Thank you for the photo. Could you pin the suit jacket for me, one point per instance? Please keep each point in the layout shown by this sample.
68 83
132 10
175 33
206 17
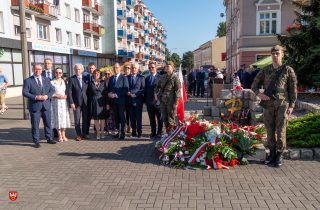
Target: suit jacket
247 80
190 79
254 73
240 75
200 78
76 95
43 74
121 88
31 90
149 90
137 88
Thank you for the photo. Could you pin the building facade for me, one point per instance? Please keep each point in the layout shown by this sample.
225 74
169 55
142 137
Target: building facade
250 27
210 53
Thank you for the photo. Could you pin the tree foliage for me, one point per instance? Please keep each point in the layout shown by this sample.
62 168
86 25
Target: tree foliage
187 60
167 55
305 38
175 58
221 31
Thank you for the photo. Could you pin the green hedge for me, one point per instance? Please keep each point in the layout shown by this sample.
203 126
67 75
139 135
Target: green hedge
304 131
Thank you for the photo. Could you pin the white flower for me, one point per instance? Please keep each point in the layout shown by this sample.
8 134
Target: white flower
166 158
186 152
157 144
182 159
198 160
213 133
206 123
180 153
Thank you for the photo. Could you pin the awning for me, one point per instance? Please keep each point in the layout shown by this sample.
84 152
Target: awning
262 63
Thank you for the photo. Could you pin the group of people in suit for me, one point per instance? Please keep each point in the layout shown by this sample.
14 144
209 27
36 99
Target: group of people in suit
196 82
246 75
106 101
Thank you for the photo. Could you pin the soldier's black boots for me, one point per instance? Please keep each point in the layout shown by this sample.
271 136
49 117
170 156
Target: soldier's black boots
279 160
271 158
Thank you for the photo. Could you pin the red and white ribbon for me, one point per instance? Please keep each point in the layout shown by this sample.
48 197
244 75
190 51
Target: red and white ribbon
243 115
198 152
175 158
247 114
169 139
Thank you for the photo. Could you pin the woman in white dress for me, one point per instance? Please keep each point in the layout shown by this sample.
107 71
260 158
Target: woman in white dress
60 113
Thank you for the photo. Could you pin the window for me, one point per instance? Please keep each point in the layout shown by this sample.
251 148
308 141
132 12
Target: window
260 57
59 10
1 23
268 23
96 44
77 15
87 42
86 18
43 32
68 11
78 40
17 29
58 35
69 38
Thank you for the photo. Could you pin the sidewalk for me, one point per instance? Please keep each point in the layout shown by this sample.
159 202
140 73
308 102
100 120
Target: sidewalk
126 174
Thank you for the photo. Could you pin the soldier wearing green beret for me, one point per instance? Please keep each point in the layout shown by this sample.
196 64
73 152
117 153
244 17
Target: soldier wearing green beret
276 115
170 85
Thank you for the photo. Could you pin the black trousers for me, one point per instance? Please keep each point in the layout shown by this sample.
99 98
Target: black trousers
153 112
119 116
200 86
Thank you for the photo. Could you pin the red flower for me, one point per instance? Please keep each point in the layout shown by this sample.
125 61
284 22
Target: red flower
169 128
233 163
226 163
220 161
204 125
234 140
195 129
205 131
188 137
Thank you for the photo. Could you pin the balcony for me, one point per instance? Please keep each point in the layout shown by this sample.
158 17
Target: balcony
138 10
156 28
146 31
130 38
121 14
138 26
137 41
93 28
147 57
122 52
122 34
157 38
152 35
152 47
38 8
93 6
147 44
157 59
164 44
152 58
140 55
130 4
130 21
151 23
99 30
146 19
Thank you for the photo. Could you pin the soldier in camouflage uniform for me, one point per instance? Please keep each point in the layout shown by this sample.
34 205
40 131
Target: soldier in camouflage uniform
276 115
171 94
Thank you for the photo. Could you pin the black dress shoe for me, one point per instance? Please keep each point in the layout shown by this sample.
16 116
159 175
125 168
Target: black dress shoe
271 158
139 135
134 135
279 160
116 136
122 136
51 142
37 145
152 135
159 135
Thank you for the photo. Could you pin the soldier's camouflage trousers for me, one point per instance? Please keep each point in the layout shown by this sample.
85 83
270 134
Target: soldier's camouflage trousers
168 114
275 120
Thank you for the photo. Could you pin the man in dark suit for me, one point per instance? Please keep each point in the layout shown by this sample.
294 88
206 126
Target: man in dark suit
91 68
211 74
118 88
49 73
135 100
240 72
247 79
78 100
151 82
200 82
255 71
39 91
194 83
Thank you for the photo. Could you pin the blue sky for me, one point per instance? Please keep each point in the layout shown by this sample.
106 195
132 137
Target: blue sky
189 23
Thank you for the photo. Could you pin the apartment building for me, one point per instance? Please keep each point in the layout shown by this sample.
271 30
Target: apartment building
250 24
133 33
67 32
210 53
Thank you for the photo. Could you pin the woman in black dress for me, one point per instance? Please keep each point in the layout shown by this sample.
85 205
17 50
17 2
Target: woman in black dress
110 126
98 99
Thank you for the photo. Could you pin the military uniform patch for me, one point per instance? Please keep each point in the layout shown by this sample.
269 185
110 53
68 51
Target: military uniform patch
292 70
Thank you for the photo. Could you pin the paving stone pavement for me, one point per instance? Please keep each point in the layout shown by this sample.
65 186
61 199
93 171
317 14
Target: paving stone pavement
113 174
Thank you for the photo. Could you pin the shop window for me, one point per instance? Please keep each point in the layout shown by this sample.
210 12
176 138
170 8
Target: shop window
78 40
1 23
11 65
16 55
77 15
58 36
43 32
68 11
87 42
17 72
69 38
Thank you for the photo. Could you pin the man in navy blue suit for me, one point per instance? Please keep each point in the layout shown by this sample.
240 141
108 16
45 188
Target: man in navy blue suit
247 79
255 71
49 73
135 99
194 83
153 110
240 72
200 82
78 100
39 91
118 88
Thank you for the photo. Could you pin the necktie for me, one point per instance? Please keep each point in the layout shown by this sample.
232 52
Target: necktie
80 82
132 80
114 80
39 83
91 79
49 75
151 79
